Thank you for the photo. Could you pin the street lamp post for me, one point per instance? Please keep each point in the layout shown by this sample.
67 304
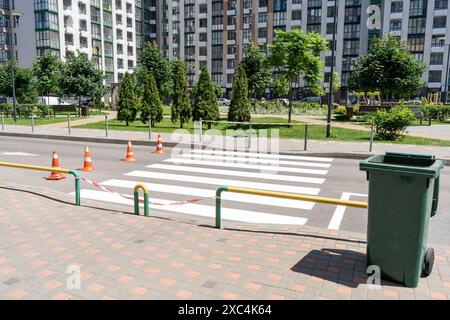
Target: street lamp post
12 15
330 89
446 72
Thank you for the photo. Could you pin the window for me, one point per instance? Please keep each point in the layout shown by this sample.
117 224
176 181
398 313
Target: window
68 38
96 31
47 39
263 3
231 35
217 37
46 5
129 8
314 15
262 17
119 34
395 25
436 58
120 63
217 66
353 14
416 25
231 50
439 22
397 7
438 40
416 43
81 8
203 8
129 23
351 47
231 64
262 33
203 51
95 15
203 37
279 18
83 42
440 4
330 28
118 4
46 20
296 14
119 48
434 76
418 8
83 25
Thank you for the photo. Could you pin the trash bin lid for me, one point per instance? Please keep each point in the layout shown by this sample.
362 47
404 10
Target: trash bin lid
424 165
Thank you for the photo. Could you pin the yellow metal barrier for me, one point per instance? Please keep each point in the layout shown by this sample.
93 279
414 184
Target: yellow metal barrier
39 168
291 196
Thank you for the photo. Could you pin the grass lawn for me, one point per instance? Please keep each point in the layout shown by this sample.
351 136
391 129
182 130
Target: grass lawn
38 121
315 132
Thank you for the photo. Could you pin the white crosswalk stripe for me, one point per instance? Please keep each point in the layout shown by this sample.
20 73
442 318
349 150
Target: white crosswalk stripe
175 180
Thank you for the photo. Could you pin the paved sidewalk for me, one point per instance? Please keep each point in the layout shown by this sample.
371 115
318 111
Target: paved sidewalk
43 241
358 150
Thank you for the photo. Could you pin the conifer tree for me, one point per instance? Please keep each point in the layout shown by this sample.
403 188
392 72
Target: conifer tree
150 103
127 108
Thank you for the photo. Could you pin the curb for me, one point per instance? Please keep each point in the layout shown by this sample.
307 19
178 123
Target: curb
337 155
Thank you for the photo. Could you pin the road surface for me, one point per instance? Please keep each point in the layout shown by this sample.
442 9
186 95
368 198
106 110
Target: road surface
180 175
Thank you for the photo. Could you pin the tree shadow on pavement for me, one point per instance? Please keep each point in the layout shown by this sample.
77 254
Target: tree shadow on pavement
343 267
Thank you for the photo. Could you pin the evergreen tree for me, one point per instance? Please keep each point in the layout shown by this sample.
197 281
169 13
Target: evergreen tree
127 109
240 105
205 100
154 62
181 105
150 103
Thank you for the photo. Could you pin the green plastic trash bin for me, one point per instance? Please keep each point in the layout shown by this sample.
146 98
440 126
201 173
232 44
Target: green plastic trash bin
403 195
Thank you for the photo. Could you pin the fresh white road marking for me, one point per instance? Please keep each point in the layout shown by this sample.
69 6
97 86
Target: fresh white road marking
247 174
18 154
255 160
263 155
205 193
263 168
228 182
201 210
338 214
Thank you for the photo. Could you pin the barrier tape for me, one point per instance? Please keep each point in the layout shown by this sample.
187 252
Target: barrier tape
176 203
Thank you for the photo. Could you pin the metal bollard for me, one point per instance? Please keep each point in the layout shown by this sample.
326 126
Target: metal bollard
249 136
306 138
201 131
68 123
32 123
150 127
372 125
106 126
3 121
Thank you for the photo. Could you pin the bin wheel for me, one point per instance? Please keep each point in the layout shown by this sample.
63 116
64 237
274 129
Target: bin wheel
428 262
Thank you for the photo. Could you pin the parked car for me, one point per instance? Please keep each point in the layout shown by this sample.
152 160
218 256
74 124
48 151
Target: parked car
282 101
414 101
223 102
312 99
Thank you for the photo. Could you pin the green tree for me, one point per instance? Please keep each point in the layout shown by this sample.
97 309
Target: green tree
181 104
23 81
159 66
150 102
81 78
47 72
280 87
127 108
205 100
258 71
296 54
240 105
336 82
390 68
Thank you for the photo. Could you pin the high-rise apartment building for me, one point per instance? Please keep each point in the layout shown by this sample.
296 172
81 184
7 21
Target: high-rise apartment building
216 32
109 31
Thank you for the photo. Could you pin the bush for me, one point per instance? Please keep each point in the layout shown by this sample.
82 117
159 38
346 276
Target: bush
25 110
340 114
44 111
390 125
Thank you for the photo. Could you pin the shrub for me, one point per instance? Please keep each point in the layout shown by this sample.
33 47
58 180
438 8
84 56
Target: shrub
44 111
340 114
390 125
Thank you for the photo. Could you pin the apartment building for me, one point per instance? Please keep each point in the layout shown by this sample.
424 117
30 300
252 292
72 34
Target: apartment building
216 32
109 31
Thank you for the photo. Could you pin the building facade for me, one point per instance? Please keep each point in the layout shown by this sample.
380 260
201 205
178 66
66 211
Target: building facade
216 33
109 31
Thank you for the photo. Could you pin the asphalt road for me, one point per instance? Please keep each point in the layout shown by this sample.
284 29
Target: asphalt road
196 177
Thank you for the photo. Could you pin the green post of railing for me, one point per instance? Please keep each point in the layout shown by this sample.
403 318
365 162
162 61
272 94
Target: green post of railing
219 205
146 200
77 187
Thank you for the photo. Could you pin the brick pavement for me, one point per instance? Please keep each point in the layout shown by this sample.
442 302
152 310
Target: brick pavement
122 256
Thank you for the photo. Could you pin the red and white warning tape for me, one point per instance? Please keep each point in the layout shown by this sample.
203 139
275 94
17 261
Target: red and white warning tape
176 203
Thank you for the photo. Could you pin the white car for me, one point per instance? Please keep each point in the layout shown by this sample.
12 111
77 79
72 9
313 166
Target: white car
282 101
223 102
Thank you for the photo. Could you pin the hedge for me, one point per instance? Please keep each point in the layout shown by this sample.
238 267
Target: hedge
26 110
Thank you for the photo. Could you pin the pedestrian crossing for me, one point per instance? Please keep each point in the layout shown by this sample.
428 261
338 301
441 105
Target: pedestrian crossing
198 173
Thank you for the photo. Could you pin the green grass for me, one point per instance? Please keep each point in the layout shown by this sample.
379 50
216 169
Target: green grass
315 132
38 121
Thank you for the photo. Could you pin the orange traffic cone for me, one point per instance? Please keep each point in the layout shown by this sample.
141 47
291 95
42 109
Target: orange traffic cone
130 153
87 161
159 146
55 164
